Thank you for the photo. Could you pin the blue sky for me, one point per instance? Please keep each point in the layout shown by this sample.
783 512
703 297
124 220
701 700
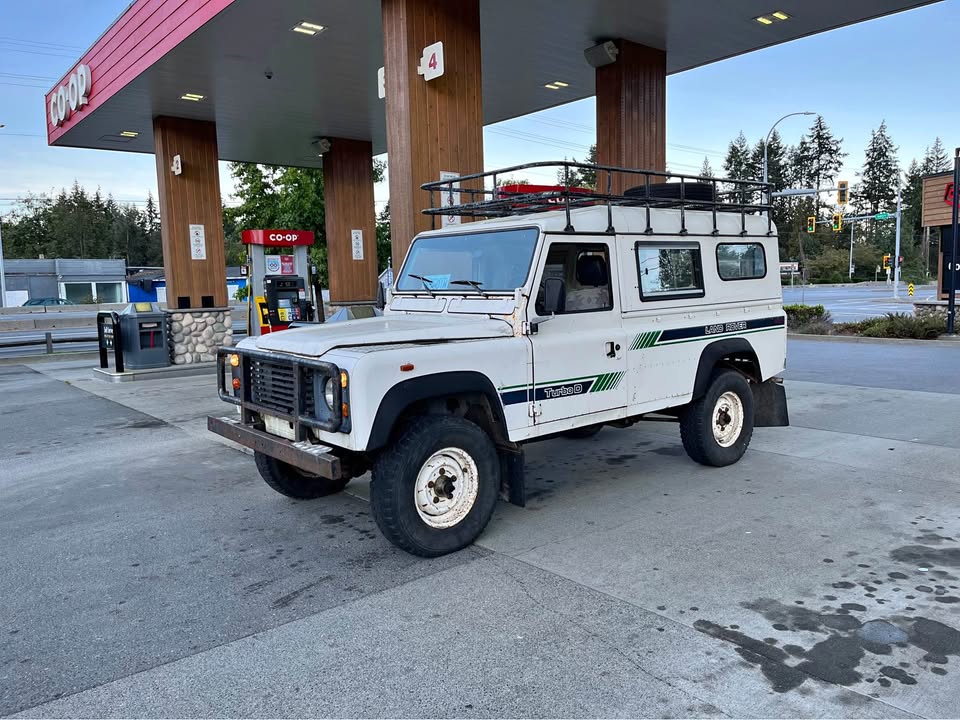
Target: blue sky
901 69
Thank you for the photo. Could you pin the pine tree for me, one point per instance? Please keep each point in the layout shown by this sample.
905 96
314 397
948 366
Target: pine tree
737 166
935 159
879 178
705 169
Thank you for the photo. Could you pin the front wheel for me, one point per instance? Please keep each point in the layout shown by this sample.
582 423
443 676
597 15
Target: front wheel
716 428
434 489
288 480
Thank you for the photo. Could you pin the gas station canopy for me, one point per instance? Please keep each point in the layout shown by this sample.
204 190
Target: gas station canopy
274 89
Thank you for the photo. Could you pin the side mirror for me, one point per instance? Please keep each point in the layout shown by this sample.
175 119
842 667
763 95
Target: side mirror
554 295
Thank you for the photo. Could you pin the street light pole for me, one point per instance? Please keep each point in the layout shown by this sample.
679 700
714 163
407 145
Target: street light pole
767 139
896 254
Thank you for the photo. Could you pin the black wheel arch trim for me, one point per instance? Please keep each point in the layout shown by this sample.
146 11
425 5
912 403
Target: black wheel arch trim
425 387
712 354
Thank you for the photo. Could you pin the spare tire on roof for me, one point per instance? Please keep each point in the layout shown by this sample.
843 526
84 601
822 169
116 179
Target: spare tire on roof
692 191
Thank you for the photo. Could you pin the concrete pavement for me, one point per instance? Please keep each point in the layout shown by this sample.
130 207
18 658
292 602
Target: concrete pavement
148 571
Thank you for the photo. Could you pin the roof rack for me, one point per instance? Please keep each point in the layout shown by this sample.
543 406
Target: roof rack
487 197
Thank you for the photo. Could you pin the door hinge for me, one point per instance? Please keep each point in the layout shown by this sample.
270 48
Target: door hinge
534 410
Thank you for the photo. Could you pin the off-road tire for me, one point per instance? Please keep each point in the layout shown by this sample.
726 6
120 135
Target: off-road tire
292 482
395 471
696 421
583 433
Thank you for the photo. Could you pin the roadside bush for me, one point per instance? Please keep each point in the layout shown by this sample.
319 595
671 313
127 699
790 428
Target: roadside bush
799 315
817 326
897 325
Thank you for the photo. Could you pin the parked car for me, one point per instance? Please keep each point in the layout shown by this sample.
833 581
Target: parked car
568 313
47 301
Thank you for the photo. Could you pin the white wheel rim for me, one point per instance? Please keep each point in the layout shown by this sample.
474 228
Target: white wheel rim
727 419
446 488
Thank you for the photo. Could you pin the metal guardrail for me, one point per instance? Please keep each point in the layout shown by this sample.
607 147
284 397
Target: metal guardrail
49 340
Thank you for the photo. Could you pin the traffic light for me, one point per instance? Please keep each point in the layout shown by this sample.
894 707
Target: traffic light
886 262
837 222
811 224
843 192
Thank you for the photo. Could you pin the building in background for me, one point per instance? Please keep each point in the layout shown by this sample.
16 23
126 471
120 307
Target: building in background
149 284
79 281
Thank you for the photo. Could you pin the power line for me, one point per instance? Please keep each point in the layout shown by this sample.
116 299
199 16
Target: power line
41 43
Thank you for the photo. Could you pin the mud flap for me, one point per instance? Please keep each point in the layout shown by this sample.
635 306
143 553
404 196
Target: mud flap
512 482
770 404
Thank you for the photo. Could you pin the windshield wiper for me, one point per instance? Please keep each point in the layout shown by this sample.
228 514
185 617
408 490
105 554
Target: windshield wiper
475 284
425 281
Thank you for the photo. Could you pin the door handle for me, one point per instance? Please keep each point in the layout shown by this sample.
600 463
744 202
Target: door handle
612 349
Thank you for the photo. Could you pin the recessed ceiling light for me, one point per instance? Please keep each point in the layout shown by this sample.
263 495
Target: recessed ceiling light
560 83
193 97
129 134
764 20
308 28
780 15
552 86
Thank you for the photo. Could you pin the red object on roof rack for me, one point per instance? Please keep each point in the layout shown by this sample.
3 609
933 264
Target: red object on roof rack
552 194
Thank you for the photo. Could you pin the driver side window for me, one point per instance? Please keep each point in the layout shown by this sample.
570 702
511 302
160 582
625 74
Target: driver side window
585 271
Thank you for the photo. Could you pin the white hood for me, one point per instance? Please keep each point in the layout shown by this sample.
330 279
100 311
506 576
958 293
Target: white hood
319 339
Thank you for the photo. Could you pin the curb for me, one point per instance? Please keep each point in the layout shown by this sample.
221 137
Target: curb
870 340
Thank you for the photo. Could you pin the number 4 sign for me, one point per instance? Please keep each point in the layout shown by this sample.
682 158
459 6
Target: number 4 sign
431 62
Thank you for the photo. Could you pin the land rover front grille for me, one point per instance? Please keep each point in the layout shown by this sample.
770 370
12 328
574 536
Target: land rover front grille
272 386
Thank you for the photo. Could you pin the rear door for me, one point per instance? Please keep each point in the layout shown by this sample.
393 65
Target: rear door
579 358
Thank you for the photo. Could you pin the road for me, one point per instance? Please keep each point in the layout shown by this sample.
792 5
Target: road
857 302
147 571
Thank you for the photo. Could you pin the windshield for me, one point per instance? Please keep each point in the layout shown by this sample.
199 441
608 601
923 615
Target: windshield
492 261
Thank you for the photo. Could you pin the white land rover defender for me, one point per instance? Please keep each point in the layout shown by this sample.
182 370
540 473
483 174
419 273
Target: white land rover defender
566 310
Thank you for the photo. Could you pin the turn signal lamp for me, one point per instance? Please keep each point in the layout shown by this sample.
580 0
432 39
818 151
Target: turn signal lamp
235 361
343 378
236 383
345 409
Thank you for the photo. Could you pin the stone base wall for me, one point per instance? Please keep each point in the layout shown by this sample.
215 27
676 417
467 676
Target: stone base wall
931 308
195 335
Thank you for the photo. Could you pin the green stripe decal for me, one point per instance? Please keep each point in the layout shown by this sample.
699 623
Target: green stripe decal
645 339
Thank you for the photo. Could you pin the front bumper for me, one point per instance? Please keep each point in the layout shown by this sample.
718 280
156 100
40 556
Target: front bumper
315 459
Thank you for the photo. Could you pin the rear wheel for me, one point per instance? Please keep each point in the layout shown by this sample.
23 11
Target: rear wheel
434 489
292 482
716 428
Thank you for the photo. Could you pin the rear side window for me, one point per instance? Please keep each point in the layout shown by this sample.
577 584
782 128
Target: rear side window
669 270
741 261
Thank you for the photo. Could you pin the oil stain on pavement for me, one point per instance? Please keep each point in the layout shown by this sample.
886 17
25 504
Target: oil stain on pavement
858 644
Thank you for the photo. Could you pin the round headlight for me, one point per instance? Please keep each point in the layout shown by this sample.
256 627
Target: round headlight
328 393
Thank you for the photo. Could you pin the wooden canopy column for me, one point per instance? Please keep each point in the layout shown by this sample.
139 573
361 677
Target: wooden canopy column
348 202
632 111
434 126
196 277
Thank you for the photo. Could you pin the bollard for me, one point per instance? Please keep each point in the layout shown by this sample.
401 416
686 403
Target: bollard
49 338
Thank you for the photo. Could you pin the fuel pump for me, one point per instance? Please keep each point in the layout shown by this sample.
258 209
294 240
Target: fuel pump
279 290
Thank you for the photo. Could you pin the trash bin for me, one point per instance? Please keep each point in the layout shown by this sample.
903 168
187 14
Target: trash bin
143 332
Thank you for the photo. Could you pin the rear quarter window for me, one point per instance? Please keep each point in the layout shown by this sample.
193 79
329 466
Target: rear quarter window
741 261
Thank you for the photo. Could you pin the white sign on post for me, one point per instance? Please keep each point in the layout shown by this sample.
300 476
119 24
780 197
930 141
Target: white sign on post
449 197
381 83
356 240
431 62
198 242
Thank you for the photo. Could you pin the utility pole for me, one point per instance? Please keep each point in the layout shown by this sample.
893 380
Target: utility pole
896 252
851 250
3 277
